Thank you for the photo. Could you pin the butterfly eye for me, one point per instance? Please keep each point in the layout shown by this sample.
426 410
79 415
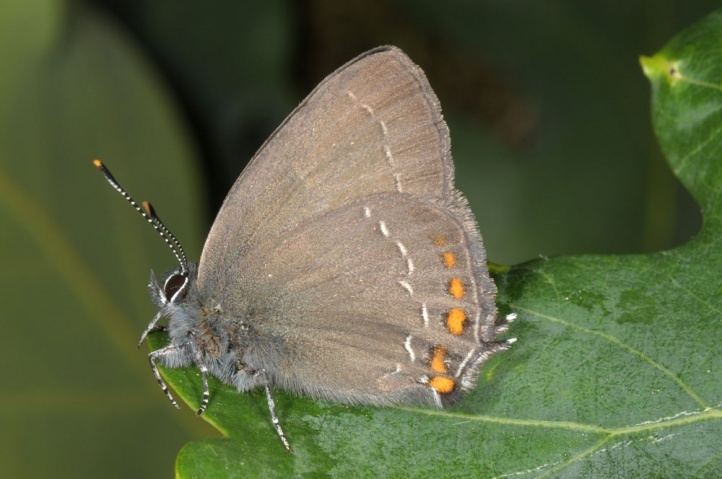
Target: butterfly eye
175 287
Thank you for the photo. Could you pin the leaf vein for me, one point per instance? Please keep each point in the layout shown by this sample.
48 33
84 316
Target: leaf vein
682 164
614 340
578 457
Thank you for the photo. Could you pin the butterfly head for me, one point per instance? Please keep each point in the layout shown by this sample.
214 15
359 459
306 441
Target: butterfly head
173 287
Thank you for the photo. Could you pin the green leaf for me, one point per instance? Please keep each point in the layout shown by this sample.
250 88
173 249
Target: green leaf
77 398
616 372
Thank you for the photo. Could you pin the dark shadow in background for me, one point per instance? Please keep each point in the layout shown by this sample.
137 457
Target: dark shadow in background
548 109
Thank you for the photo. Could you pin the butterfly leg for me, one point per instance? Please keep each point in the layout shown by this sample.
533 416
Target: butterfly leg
260 376
274 418
169 355
248 378
150 328
206 393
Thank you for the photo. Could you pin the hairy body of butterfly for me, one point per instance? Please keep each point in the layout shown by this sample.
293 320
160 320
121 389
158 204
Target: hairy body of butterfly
343 263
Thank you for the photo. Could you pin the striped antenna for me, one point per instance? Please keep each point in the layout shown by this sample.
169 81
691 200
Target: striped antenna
147 212
150 211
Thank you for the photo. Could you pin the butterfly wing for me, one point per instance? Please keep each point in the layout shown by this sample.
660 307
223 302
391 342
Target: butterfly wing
372 126
378 301
358 267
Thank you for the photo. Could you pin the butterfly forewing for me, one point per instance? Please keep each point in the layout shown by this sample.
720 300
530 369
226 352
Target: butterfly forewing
372 126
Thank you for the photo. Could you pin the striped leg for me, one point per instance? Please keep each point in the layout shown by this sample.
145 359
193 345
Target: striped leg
164 355
206 394
204 377
150 328
274 418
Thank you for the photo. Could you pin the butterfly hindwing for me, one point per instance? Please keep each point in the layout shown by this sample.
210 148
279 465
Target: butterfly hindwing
370 302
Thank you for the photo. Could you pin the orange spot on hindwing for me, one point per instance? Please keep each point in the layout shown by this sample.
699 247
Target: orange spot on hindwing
439 240
442 384
455 321
449 259
456 288
438 364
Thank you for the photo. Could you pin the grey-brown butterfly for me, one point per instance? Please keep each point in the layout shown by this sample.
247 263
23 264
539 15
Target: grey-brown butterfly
343 264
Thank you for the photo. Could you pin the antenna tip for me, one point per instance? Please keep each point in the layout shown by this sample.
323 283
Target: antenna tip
97 163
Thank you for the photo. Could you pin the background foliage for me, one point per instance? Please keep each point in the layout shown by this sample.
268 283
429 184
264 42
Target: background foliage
549 117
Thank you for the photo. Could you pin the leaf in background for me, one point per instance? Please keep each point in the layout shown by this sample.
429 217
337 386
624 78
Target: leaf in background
77 399
616 372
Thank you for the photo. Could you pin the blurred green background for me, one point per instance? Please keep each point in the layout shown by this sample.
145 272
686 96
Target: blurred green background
549 117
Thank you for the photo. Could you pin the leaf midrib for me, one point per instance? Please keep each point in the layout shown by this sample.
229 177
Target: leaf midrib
682 418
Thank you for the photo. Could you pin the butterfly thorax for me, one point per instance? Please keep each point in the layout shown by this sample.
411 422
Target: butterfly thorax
209 337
